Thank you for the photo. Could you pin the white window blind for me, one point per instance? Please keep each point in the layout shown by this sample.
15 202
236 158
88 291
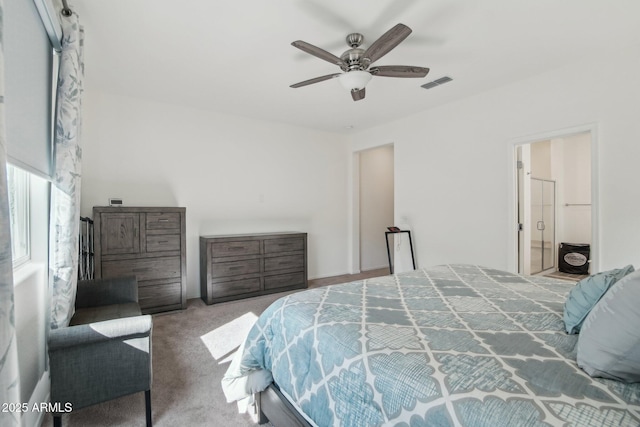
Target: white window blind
28 58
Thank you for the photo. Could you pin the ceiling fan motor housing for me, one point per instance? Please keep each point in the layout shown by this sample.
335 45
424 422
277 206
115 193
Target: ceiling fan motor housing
352 56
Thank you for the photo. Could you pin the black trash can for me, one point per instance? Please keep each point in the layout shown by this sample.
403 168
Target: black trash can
573 258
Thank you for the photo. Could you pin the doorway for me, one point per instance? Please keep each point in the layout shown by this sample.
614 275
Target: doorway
375 182
555 192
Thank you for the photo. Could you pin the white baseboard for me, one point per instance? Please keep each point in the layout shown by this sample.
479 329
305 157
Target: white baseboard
40 394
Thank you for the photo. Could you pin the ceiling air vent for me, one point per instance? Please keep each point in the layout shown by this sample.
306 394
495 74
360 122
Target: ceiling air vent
437 82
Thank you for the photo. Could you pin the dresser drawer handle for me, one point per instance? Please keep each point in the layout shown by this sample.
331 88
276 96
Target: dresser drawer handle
163 241
237 267
236 248
163 220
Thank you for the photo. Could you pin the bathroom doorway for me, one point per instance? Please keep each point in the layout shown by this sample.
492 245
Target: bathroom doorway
554 199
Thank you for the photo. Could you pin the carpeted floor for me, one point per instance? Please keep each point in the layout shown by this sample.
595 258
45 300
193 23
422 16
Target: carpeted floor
191 352
186 371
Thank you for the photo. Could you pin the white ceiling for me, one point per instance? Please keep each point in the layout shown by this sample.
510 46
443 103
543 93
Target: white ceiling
236 57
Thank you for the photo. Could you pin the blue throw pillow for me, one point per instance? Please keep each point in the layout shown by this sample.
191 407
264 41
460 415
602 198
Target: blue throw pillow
609 343
586 294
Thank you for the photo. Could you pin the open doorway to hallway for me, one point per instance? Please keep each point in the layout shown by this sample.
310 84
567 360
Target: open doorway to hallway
554 200
376 205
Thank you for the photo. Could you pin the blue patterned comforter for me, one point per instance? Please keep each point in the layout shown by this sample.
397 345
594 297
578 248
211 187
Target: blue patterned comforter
455 345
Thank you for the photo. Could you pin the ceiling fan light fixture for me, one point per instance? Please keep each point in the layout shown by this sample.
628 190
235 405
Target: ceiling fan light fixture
354 80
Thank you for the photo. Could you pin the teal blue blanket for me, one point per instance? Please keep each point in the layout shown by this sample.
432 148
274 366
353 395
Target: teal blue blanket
456 345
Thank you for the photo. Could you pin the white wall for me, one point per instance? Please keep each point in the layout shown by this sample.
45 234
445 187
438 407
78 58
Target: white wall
376 205
30 306
575 189
456 184
453 176
31 295
233 175
541 160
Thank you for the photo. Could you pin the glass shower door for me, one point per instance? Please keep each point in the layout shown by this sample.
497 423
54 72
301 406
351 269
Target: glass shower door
543 209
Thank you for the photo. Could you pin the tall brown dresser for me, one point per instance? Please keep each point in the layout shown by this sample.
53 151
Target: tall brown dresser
146 242
247 265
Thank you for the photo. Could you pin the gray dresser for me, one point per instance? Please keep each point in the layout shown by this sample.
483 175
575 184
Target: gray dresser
246 265
146 242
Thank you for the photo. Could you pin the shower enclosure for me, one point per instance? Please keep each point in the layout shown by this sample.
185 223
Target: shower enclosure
543 229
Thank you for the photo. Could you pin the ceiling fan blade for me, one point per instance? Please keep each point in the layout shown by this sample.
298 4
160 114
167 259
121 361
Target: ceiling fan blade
320 53
357 95
386 43
315 80
399 71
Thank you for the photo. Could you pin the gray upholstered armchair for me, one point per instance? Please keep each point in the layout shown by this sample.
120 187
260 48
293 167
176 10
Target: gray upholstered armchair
105 352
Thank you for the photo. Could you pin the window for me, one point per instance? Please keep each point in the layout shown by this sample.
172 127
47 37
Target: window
18 183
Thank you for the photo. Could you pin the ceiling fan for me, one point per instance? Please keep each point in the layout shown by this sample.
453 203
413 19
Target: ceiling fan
356 62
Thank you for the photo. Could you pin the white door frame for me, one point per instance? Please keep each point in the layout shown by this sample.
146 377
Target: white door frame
354 202
524 243
512 211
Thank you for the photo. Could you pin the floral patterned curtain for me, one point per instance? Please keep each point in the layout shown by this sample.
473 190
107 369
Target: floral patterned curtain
65 193
9 375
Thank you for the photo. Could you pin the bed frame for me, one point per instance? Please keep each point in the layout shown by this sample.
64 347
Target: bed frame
275 408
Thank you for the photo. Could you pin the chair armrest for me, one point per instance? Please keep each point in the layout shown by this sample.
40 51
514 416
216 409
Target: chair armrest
99 361
92 293
122 329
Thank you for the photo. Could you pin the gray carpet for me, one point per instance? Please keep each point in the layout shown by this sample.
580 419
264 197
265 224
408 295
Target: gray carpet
191 351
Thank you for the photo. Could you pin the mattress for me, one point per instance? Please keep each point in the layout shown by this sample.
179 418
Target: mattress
453 345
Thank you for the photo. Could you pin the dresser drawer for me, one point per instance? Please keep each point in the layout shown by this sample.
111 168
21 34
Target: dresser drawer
222 249
285 262
288 244
284 281
163 242
143 269
158 295
235 268
235 287
163 220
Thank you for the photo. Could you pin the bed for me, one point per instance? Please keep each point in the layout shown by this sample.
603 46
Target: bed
453 345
